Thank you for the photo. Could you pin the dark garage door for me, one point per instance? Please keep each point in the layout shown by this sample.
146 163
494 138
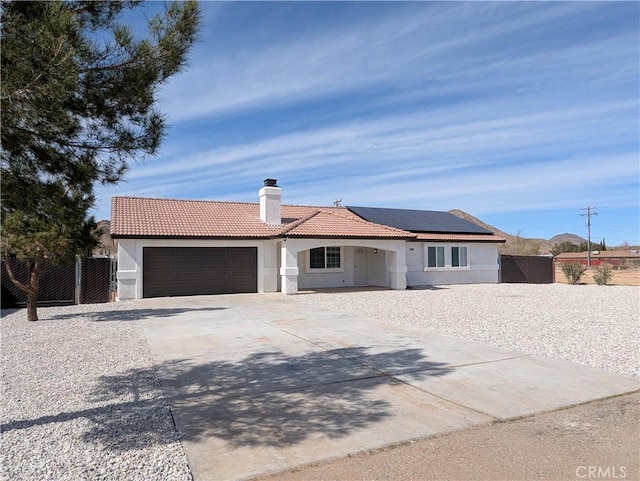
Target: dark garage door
191 271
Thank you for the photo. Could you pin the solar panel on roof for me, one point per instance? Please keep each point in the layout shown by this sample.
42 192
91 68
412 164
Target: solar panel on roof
418 220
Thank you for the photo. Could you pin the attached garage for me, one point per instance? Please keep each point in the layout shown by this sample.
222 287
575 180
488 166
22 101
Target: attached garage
190 271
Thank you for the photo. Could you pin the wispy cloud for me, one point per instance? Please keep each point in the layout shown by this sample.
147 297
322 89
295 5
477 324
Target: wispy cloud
487 106
424 44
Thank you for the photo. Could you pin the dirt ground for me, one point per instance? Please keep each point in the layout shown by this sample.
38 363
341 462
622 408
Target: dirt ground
598 440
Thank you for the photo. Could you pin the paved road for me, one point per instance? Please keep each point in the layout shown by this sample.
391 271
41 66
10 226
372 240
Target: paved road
260 384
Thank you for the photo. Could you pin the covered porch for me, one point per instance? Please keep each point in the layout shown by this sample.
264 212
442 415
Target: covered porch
333 263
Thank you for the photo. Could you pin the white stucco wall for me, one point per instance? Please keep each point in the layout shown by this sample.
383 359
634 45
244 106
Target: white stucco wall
130 260
482 265
387 268
312 279
394 262
373 266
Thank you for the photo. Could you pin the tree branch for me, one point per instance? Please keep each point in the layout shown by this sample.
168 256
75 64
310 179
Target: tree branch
107 68
23 287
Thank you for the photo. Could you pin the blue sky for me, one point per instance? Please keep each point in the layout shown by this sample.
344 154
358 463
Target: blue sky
519 113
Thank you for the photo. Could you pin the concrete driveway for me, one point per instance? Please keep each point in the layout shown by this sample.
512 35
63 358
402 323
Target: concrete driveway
259 384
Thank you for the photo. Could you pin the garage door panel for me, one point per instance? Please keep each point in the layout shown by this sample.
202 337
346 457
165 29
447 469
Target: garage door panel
183 271
188 263
216 276
216 264
246 263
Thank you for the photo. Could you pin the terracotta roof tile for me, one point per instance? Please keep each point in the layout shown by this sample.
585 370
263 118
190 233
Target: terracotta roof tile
332 224
147 217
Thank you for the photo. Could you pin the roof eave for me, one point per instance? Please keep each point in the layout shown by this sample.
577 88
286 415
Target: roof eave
334 236
471 241
187 237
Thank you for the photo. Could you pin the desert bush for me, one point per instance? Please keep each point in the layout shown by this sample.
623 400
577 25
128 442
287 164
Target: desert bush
602 275
573 272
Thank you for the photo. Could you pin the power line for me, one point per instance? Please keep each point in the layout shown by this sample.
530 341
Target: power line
590 211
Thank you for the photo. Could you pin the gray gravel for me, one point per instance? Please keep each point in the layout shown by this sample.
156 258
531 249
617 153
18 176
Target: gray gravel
80 399
597 326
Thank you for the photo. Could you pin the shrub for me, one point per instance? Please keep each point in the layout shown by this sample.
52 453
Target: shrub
573 272
602 275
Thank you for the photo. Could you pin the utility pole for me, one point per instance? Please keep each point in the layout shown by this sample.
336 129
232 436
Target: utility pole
590 211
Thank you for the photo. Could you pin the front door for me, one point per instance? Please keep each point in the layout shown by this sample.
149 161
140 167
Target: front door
361 267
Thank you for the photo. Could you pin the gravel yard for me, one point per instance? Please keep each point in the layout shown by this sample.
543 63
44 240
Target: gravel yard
80 398
597 326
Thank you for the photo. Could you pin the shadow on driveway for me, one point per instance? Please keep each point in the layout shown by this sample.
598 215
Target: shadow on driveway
132 314
273 399
267 399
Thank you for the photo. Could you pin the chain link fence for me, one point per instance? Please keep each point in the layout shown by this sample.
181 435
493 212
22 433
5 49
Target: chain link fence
89 281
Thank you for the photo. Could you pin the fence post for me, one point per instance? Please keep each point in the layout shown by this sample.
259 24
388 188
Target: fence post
78 279
113 278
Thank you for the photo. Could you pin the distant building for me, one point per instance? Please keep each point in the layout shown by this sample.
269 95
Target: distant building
621 259
625 265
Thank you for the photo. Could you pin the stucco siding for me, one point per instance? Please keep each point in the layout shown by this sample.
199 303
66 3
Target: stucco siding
381 263
482 260
314 279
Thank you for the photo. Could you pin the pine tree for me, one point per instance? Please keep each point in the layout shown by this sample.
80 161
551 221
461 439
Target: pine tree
77 98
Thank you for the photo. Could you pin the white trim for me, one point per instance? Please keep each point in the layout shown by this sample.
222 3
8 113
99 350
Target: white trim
133 278
447 258
309 270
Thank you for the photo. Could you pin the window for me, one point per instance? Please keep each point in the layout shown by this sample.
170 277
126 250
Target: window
325 258
435 256
447 257
458 257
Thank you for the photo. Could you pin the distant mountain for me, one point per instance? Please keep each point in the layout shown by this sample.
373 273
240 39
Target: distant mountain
474 220
567 237
106 247
517 245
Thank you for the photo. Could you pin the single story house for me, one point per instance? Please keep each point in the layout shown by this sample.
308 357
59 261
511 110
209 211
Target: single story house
170 247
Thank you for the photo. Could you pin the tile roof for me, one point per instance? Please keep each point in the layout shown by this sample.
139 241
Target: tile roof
141 217
323 223
146 217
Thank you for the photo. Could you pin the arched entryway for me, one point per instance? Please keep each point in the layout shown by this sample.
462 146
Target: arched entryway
329 263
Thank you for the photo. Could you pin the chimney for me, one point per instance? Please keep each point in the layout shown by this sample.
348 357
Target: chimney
270 195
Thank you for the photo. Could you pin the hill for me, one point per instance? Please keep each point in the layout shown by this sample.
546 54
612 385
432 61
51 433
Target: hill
474 220
566 237
106 247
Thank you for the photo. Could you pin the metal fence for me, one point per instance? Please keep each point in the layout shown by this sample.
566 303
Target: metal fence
88 281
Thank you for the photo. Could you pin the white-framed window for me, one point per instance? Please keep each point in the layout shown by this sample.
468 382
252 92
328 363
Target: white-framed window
435 256
323 259
458 256
446 257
